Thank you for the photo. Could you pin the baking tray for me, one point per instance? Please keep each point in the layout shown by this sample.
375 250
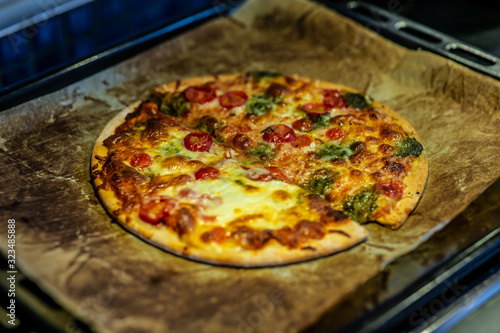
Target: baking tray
390 309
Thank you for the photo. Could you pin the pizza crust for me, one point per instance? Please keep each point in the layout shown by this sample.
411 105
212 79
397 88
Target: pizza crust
273 253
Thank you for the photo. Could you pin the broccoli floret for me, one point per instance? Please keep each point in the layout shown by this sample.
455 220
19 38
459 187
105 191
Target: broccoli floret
263 151
320 181
260 105
360 206
330 151
356 101
321 120
408 146
174 105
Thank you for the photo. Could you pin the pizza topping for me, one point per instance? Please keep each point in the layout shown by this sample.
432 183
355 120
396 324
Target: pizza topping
303 124
394 168
141 160
391 188
259 105
362 156
175 105
208 124
390 134
233 99
333 99
277 173
315 109
124 180
331 151
155 131
346 119
154 210
360 206
357 101
386 149
172 163
247 237
409 147
358 146
227 132
182 220
320 181
277 90
335 133
199 94
301 141
318 204
261 175
207 173
278 134
320 119
121 140
263 150
242 142
198 141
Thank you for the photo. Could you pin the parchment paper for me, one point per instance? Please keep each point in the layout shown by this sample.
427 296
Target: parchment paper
67 243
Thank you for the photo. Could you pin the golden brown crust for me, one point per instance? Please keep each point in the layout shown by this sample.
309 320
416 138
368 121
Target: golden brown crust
341 237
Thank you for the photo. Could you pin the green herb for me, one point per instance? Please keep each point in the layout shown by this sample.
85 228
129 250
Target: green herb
265 75
259 105
320 181
330 151
174 105
321 120
263 150
357 101
360 206
170 149
408 146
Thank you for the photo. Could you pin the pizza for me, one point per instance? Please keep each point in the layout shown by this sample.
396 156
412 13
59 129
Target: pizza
257 169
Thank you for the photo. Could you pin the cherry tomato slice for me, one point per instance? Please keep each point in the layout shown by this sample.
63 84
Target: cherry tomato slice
154 210
301 141
198 141
207 173
335 133
333 99
391 188
315 109
141 160
233 99
199 94
278 134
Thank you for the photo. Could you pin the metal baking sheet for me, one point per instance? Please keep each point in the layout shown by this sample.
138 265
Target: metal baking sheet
115 282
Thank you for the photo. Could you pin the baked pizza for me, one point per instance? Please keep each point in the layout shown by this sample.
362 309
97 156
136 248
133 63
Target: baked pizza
257 169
